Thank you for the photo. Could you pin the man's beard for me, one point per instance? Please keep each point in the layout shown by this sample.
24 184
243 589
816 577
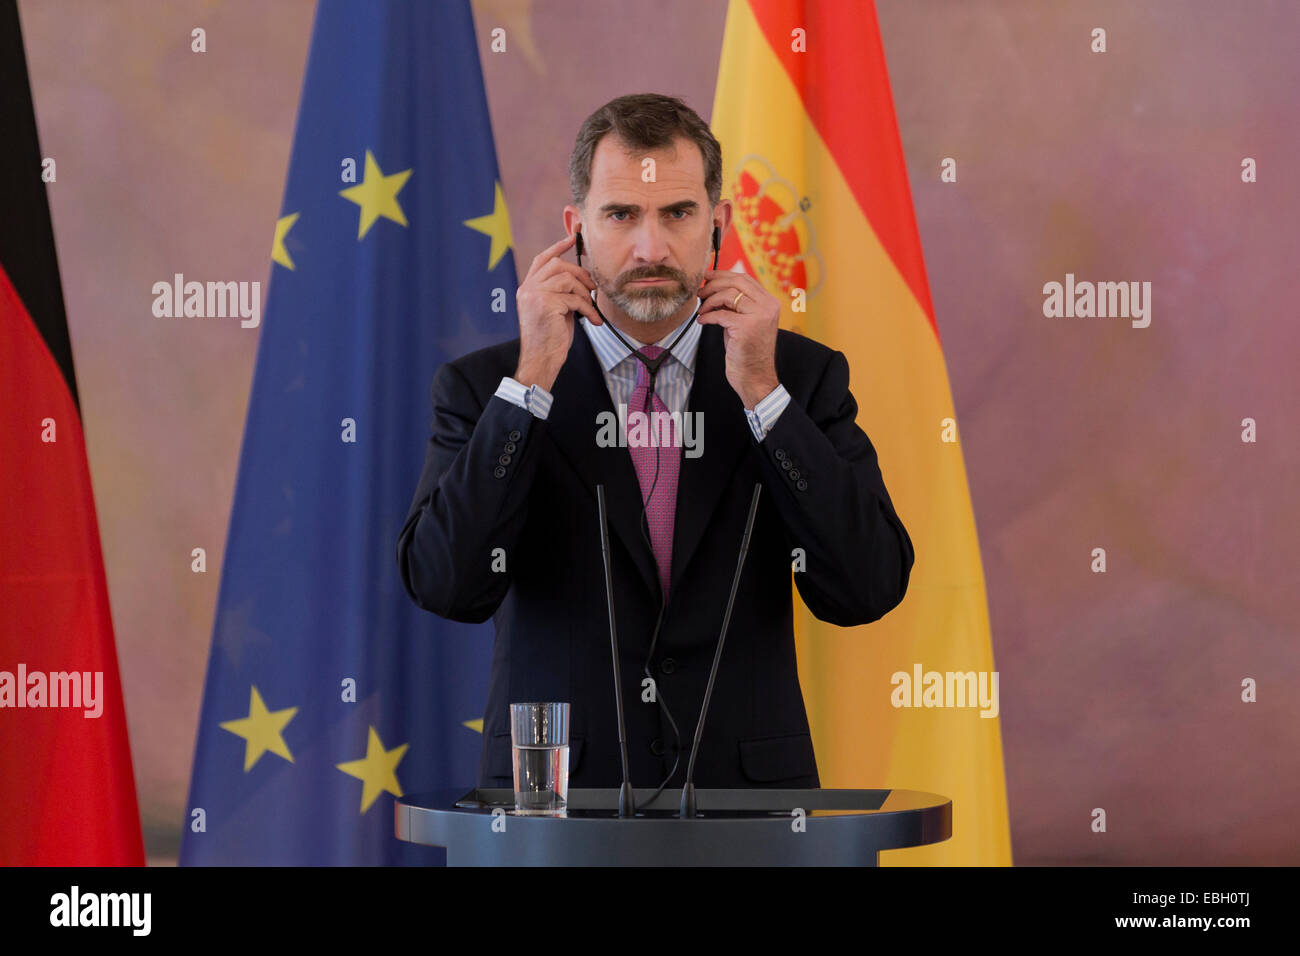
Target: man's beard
650 303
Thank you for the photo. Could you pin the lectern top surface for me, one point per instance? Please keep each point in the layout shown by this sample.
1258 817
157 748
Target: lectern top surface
726 804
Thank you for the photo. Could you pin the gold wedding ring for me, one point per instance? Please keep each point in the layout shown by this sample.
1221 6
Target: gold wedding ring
739 295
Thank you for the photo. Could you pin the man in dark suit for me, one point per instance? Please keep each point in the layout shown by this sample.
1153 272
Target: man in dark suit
504 520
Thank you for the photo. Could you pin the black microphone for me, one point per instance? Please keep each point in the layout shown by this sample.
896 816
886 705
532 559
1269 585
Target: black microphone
626 802
688 788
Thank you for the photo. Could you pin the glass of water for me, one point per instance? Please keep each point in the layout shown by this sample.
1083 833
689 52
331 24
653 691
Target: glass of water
539 736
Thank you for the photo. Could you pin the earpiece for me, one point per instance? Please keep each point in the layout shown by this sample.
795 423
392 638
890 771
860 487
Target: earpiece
717 238
578 233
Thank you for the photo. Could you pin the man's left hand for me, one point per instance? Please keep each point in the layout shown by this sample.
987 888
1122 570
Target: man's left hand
749 325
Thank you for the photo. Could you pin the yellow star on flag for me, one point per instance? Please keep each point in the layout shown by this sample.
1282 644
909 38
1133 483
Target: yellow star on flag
376 771
497 225
475 724
278 252
261 730
376 194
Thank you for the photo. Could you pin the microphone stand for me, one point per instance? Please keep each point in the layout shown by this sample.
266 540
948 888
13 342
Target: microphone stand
626 802
688 788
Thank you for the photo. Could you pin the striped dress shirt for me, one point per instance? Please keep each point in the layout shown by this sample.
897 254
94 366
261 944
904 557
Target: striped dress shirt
672 383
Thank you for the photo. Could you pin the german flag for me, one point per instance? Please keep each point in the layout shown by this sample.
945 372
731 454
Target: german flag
67 794
814 167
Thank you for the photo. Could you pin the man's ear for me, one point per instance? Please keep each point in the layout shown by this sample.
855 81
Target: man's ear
722 222
573 221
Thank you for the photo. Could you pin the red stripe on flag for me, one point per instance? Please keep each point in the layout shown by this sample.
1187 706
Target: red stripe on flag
67 792
843 81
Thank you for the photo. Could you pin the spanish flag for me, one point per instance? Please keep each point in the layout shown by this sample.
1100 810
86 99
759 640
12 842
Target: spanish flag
823 217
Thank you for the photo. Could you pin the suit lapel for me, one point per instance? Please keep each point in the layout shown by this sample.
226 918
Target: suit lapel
726 436
580 395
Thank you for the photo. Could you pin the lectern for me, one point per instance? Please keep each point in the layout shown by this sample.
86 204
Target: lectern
733 828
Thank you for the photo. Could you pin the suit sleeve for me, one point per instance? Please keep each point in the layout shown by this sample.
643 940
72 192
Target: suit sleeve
471 499
821 470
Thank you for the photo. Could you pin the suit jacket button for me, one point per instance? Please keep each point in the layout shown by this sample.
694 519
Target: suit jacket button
504 460
657 747
794 474
785 463
780 454
801 485
668 665
514 435
510 448
499 472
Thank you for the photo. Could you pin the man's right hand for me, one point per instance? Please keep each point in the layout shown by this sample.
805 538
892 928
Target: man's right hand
551 292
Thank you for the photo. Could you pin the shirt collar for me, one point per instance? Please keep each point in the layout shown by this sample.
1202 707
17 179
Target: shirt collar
610 351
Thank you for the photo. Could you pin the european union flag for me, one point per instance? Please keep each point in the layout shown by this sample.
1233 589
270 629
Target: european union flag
328 693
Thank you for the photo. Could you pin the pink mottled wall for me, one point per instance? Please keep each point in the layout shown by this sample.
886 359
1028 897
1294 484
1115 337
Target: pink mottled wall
1118 690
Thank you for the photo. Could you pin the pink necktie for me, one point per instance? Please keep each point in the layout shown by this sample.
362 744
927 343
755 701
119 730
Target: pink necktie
661 507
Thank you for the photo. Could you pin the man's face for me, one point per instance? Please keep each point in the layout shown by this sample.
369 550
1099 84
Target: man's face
636 230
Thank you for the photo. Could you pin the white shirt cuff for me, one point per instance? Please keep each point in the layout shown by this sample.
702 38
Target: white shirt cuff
534 399
766 412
